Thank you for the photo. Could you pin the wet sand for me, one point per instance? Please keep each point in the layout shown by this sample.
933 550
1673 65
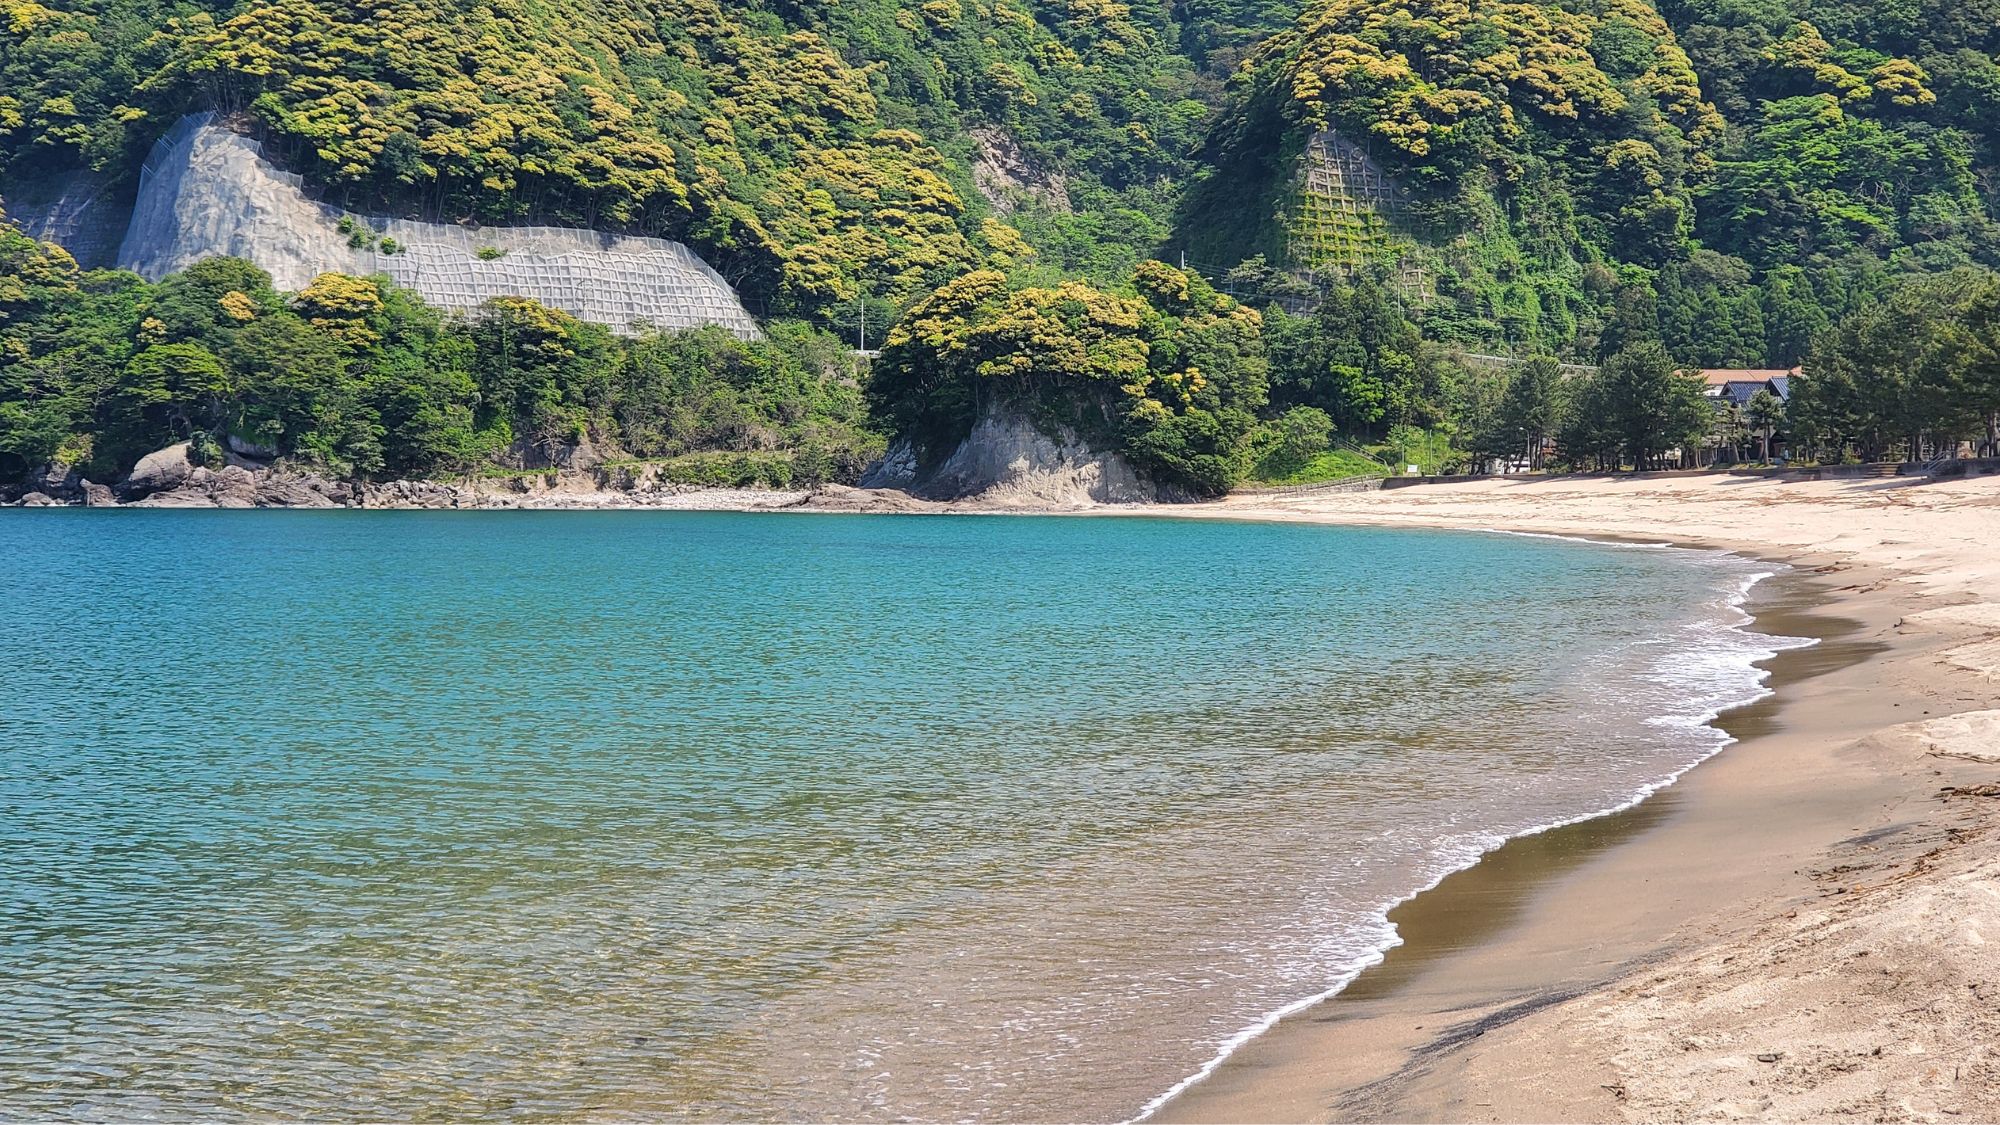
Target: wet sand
1795 931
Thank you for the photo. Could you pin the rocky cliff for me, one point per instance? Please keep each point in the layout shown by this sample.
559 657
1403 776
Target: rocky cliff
207 191
1007 461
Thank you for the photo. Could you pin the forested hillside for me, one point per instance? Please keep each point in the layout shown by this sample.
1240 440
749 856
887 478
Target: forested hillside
812 151
1693 182
1724 175
816 151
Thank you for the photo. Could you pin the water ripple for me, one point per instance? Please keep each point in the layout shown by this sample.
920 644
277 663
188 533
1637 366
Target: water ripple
409 815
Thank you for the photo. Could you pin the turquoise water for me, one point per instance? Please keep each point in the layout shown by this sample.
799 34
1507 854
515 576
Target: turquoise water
397 814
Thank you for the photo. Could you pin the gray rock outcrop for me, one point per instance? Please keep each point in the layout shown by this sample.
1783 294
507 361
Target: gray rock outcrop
1006 177
58 482
206 191
159 471
237 487
250 450
1007 462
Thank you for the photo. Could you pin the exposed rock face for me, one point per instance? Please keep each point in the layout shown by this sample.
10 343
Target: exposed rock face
1005 175
525 454
250 450
160 470
896 469
206 191
58 482
237 487
1006 461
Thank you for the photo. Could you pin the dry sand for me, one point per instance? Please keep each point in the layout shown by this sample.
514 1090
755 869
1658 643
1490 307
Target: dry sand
1807 927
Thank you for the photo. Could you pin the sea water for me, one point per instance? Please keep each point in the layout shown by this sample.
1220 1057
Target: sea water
395 814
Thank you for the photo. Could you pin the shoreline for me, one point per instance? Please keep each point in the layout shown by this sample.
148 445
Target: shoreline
1424 902
1523 981
1456 916
1706 952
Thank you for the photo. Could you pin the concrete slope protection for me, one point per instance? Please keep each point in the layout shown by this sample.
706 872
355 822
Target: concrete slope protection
208 191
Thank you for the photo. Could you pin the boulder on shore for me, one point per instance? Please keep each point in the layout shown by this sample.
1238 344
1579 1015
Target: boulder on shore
234 486
58 482
276 491
160 470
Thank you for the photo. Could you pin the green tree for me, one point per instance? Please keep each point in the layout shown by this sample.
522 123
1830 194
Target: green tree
1528 413
1170 376
1359 358
1297 436
1764 413
1649 406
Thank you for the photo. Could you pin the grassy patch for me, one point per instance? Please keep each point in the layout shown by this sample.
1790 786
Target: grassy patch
1334 464
720 470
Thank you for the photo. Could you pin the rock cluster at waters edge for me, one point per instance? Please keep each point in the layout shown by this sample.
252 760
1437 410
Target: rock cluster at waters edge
169 478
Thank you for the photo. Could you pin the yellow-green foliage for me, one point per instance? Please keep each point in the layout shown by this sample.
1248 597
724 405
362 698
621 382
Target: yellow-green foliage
814 153
34 277
670 115
337 304
1803 52
1528 138
1425 76
1168 373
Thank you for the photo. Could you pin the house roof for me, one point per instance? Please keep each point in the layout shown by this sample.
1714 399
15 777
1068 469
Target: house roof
1723 376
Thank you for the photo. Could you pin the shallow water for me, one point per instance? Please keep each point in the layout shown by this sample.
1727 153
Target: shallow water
367 815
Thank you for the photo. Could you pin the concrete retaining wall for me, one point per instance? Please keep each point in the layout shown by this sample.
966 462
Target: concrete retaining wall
206 191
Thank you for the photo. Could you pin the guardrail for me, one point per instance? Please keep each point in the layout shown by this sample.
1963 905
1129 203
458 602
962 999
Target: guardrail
1363 453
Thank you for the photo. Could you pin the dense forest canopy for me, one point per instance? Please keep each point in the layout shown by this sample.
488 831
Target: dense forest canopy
1569 163
817 151
802 147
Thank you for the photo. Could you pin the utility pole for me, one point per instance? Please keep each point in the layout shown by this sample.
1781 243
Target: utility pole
860 321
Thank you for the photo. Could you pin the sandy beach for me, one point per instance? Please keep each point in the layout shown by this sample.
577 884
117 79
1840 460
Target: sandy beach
1800 929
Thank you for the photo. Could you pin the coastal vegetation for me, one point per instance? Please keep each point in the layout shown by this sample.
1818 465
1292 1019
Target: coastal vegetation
1170 373
358 377
1916 373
